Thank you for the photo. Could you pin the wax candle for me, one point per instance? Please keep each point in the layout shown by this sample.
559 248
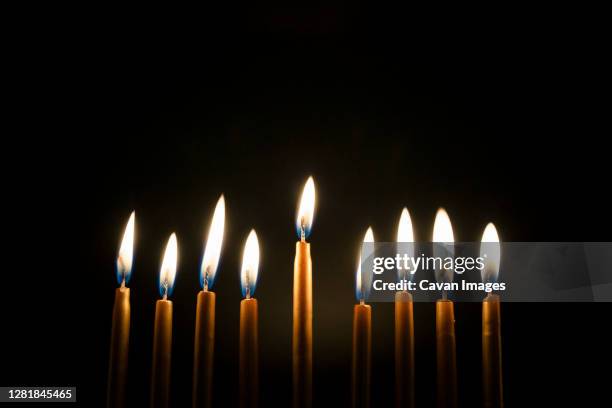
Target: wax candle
204 341
404 322
445 317
446 354
249 374
302 302
120 332
362 338
491 321
162 331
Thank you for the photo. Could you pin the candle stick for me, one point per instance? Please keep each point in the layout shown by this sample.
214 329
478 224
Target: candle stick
302 302
404 325
120 333
162 331
362 339
205 312
491 320
445 317
249 374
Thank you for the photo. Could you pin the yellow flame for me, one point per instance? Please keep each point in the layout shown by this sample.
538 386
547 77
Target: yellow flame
126 250
250 264
492 251
368 237
168 268
405 235
212 251
443 234
443 230
404 229
305 213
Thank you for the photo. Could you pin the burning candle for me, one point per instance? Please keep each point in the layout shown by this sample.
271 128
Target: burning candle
120 332
491 320
249 375
404 323
162 331
302 302
205 312
362 337
445 316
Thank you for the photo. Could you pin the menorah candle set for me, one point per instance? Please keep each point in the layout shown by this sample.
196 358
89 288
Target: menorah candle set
302 338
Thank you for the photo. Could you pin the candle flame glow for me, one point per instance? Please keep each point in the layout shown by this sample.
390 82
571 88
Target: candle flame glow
443 230
444 240
362 286
404 229
168 268
212 251
250 265
305 212
126 252
405 239
490 247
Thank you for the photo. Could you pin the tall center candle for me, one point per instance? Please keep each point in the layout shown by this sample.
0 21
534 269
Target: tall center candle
404 322
302 302
120 334
249 364
203 353
491 322
445 317
162 331
362 338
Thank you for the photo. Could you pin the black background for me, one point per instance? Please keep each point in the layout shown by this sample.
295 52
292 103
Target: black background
495 119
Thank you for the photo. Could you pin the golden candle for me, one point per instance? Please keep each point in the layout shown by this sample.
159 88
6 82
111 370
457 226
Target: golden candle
362 338
404 350
362 354
446 354
445 317
302 303
203 353
404 326
491 352
120 332
162 331
120 340
249 364
491 323
204 342
162 354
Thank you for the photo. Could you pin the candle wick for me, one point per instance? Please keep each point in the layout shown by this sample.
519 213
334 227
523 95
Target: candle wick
123 282
443 295
361 301
165 285
303 231
206 279
248 287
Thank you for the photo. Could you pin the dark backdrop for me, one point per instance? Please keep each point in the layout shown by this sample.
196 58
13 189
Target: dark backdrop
495 122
